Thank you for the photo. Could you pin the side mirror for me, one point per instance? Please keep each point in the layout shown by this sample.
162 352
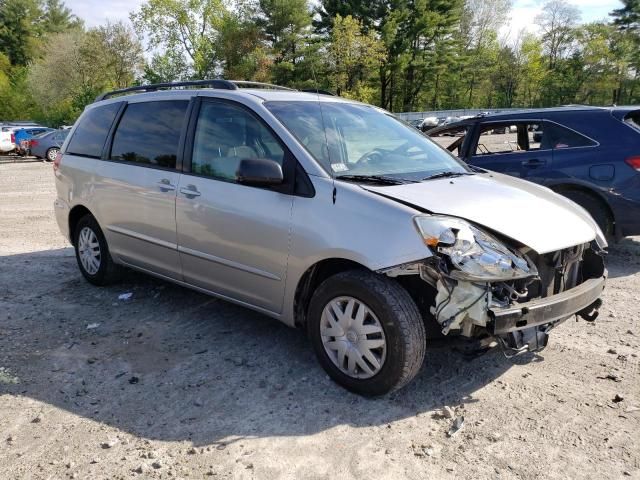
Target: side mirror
259 172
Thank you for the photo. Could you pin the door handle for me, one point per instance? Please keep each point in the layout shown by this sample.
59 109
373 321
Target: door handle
190 191
165 185
534 162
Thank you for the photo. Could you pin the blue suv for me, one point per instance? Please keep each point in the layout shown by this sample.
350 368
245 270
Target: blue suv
588 154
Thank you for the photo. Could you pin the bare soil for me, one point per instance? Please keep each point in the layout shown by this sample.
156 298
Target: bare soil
175 384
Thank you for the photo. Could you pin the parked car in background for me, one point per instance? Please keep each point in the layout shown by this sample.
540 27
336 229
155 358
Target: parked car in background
47 145
214 189
428 123
7 138
416 123
23 136
590 155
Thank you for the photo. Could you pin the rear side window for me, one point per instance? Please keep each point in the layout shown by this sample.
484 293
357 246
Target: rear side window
633 119
557 137
149 133
92 130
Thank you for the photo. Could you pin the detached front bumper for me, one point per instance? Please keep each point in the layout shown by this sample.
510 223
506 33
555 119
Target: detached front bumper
547 310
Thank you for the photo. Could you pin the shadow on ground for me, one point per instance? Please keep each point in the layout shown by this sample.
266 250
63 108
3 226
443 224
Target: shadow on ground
171 364
624 257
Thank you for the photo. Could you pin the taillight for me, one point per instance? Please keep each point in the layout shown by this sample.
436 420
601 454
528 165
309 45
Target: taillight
56 162
33 143
13 138
634 162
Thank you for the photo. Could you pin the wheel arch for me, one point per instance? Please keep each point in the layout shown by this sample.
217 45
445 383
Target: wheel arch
76 213
313 277
562 188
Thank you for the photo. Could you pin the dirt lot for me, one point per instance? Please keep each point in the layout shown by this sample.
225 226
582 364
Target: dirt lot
174 384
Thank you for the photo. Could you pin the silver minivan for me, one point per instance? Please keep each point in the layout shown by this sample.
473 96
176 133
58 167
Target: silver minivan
326 214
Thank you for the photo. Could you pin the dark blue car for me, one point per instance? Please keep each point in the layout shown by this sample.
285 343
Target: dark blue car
588 154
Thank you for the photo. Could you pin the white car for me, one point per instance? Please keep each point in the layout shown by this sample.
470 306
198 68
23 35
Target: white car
7 140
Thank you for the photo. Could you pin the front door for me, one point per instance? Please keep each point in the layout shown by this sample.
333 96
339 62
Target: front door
511 148
233 239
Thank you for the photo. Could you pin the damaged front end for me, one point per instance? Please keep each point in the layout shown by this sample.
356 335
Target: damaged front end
485 287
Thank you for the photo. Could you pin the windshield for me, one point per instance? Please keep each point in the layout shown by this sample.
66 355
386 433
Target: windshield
359 140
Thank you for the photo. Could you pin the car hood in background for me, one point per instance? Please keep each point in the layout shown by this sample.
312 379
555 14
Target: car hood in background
526 212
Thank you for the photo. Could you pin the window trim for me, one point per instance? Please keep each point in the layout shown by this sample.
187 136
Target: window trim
106 151
480 126
595 142
289 162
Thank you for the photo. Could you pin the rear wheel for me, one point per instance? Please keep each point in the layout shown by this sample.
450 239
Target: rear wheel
367 332
51 154
595 208
92 253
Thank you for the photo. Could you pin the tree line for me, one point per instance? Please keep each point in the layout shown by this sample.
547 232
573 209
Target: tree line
403 55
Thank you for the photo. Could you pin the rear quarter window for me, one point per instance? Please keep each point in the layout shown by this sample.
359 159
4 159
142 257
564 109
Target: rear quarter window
633 119
91 133
557 137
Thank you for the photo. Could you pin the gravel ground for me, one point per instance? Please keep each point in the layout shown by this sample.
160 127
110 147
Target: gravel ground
174 384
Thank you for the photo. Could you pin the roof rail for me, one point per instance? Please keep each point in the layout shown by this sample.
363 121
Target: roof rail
318 91
213 83
249 84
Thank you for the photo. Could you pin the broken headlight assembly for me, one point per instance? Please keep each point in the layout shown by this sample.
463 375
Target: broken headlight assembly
475 255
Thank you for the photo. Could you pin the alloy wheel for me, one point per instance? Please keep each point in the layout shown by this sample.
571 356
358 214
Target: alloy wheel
51 154
89 250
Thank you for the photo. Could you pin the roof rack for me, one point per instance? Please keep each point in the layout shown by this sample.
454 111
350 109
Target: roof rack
217 83
318 91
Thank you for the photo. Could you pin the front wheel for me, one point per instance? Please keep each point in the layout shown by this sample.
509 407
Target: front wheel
367 332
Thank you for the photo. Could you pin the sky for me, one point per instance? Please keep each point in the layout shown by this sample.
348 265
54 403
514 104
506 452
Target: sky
96 12
524 12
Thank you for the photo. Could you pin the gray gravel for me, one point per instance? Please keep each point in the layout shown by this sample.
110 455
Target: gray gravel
174 384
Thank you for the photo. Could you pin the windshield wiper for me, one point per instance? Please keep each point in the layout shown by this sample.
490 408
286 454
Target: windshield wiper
375 179
446 175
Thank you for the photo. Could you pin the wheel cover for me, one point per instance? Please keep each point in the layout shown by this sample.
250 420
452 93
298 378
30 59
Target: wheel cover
353 337
89 251
53 152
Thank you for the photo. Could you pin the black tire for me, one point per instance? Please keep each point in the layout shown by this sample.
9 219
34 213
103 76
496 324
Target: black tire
107 272
46 155
595 207
401 322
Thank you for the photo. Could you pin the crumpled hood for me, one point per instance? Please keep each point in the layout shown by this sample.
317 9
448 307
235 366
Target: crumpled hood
523 211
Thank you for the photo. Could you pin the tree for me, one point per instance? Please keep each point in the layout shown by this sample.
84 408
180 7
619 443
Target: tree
628 17
532 70
353 57
557 22
58 18
20 29
103 58
118 53
190 28
368 13
285 24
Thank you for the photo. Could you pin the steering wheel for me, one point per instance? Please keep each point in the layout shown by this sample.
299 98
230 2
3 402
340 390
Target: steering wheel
372 156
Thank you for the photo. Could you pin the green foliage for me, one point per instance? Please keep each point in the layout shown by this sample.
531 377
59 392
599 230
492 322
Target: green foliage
190 28
628 17
353 58
20 29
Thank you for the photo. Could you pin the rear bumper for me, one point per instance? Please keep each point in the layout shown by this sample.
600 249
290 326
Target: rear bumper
546 310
